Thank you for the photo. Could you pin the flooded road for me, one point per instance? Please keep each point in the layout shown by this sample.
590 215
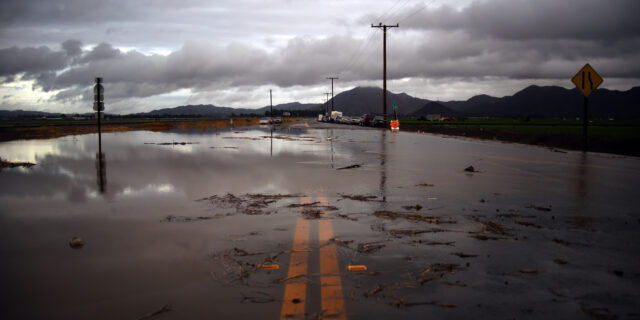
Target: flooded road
256 223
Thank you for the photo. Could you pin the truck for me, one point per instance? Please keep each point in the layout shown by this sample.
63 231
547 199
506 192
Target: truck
335 115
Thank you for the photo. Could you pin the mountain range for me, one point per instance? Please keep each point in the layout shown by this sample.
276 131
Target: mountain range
533 101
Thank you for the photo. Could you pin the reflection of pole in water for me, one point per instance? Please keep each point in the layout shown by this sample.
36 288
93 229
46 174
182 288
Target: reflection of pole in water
582 218
98 106
101 166
383 166
331 141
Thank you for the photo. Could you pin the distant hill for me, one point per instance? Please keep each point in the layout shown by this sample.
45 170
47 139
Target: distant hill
205 110
361 100
533 101
208 110
434 108
10 114
552 102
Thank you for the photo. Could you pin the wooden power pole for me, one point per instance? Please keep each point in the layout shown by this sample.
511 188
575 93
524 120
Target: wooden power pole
326 103
332 78
384 66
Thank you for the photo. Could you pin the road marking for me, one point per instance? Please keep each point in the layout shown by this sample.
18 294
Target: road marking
295 292
331 286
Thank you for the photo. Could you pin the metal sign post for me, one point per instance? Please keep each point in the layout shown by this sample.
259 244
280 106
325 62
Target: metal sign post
98 105
586 80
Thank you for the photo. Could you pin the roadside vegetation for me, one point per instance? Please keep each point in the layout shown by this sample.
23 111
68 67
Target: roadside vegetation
46 129
613 136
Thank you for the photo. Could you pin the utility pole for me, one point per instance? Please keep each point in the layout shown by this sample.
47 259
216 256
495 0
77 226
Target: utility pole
384 65
332 78
271 105
326 104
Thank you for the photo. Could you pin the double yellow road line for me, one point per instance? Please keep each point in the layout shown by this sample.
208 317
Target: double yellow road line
295 292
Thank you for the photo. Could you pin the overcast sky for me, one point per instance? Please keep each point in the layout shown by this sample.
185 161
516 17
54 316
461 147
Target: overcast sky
165 53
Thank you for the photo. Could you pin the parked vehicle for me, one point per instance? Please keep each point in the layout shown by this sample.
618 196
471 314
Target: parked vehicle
265 121
277 120
320 117
335 115
355 120
366 119
378 121
345 120
325 118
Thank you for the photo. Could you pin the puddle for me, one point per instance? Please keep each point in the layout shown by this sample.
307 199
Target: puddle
182 225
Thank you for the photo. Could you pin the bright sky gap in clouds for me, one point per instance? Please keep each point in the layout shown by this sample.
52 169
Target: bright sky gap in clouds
163 53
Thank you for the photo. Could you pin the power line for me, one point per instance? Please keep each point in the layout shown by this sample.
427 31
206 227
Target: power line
416 11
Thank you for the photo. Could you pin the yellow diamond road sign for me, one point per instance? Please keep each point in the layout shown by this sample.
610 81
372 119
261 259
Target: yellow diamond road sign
587 80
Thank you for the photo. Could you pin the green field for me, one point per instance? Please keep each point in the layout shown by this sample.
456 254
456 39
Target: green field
613 129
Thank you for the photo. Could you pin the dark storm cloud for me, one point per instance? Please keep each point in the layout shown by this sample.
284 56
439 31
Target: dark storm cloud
103 51
72 47
196 66
30 60
539 19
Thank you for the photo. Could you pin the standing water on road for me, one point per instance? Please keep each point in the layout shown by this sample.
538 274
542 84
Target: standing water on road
262 223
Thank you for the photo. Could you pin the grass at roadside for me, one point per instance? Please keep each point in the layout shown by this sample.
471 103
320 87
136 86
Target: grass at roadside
45 129
619 137
599 128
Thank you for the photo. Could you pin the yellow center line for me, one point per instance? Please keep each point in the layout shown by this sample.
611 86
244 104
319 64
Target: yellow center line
293 303
331 285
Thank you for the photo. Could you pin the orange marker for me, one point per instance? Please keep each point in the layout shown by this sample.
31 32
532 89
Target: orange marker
358 268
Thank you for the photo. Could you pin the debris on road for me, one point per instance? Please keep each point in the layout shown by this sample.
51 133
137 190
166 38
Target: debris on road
532 206
346 217
250 204
359 197
411 232
391 215
432 243
528 224
470 169
311 214
463 255
370 247
341 243
417 207
353 166
531 271
261 298
514 215
76 243
424 185
171 218
149 315
568 243
357 268
560 261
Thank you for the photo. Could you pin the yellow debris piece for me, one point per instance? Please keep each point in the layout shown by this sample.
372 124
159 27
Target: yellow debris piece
358 268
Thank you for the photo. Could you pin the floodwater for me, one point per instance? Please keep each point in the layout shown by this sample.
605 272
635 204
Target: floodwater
186 220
